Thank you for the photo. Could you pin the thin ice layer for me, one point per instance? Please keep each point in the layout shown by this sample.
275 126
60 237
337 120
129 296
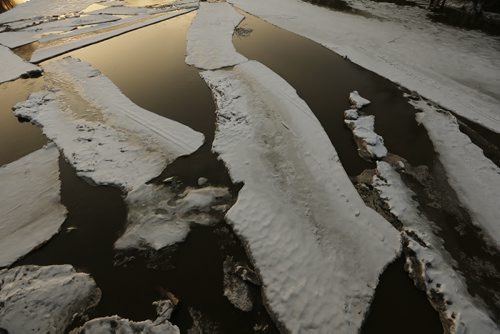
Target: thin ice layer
44 299
318 248
435 271
209 38
475 178
51 51
14 67
31 204
103 134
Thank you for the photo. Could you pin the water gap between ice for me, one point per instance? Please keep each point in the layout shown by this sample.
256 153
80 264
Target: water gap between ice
148 66
324 80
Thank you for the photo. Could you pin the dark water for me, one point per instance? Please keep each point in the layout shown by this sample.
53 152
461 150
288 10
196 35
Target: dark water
153 75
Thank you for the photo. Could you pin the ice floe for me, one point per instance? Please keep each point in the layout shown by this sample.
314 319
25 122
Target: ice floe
357 101
475 178
30 205
209 38
116 324
44 299
71 23
370 144
159 217
14 39
432 267
318 248
456 68
103 134
14 67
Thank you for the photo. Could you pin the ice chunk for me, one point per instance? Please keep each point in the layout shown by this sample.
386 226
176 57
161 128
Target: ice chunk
14 67
357 101
475 178
210 37
351 114
158 217
105 136
44 299
318 248
370 145
30 205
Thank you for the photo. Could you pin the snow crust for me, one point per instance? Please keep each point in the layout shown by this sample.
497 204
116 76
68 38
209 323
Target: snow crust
209 38
44 299
14 67
158 217
105 136
455 68
51 51
116 324
318 248
30 205
435 266
475 178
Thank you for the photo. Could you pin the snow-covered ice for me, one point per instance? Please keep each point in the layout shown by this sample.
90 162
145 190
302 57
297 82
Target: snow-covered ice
44 299
435 270
351 114
30 205
454 67
357 101
103 134
70 23
318 248
475 178
159 217
209 38
51 51
116 324
14 39
14 67
370 144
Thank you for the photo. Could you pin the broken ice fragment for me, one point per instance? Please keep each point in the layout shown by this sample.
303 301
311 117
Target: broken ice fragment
357 101
370 145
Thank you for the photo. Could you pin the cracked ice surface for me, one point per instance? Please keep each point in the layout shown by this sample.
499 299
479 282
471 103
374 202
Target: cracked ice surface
475 178
44 299
318 248
30 205
13 66
209 38
463 313
105 136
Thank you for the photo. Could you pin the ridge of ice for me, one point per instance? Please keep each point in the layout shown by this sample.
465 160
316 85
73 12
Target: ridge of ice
13 66
31 204
44 299
209 44
436 265
103 134
318 248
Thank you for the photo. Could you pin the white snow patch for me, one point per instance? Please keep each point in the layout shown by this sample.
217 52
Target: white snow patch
105 136
453 67
30 206
357 101
51 51
158 217
209 38
475 178
13 67
44 299
436 265
370 144
318 248
115 324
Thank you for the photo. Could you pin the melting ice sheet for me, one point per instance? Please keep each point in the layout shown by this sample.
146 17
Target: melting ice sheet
30 205
319 249
105 136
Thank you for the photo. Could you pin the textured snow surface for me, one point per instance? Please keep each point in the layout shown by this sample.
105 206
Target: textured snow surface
357 101
44 299
51 51
12 66
436 265
475 178
209 38
318 248
454 67
115 324
30 203
370 145
158 217
105 136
